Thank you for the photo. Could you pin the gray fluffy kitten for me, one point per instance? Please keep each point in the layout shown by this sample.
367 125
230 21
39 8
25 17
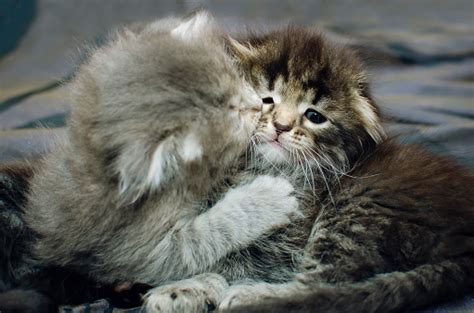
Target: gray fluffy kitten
160 116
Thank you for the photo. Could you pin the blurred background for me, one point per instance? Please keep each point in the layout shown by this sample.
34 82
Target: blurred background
420 55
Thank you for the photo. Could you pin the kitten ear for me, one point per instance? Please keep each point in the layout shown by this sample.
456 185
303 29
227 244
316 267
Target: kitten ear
142 169
199 24
369 117
141 172
190 148
243 51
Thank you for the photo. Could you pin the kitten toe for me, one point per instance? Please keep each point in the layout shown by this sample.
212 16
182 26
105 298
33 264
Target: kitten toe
195 295
175 300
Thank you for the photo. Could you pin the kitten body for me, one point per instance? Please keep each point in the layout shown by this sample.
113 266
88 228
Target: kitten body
396 237
159 116
388 227
394 228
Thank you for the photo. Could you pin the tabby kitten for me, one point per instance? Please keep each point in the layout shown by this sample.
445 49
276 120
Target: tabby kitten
390 227
160 115
394 227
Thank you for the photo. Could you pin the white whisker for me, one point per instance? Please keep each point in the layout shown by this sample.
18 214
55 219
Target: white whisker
313 181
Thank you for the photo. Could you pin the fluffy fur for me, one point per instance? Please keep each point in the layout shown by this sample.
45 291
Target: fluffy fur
381 227
391 226
394 225
160 115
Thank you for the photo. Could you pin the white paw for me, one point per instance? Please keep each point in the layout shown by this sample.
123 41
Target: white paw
198 295
251 210
272 182
172 299
273 200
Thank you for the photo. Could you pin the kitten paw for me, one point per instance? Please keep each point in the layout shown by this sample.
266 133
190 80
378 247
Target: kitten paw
273 200
190 295
241 295
175 299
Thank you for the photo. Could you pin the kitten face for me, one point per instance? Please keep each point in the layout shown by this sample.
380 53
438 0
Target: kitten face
165 101
316 103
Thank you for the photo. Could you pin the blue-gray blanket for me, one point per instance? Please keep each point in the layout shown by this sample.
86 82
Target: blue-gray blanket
421 57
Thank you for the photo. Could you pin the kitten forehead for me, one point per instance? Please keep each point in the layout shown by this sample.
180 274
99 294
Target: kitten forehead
275 93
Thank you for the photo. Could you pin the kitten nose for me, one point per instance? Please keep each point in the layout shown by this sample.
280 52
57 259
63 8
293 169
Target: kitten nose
280 128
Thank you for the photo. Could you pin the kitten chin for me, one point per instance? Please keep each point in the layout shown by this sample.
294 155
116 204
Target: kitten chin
272 152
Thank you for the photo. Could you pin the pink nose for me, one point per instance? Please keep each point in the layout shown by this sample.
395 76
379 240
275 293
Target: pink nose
280 128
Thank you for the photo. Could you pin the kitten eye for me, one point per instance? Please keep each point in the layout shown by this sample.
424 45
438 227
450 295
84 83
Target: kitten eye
268 100
314 116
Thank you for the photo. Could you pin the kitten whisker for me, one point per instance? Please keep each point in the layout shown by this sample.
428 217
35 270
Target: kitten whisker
325 179
328 161
333 170
312 183
312 157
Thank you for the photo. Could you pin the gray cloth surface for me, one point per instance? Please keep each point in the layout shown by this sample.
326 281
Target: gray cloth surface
420 53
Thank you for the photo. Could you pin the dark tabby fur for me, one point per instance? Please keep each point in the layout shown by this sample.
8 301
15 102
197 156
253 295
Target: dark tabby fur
13 185
26 288
396 231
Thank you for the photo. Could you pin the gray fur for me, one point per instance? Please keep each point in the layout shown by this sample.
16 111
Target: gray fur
159 116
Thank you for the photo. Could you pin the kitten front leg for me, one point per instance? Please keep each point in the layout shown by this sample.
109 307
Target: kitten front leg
240 218
244 214
199 294
251 210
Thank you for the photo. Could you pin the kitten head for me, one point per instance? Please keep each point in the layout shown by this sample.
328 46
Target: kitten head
315 96
160 103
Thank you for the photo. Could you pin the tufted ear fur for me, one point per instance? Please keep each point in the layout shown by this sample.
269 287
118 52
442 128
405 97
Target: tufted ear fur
142 169
242 51
369 117
200 24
